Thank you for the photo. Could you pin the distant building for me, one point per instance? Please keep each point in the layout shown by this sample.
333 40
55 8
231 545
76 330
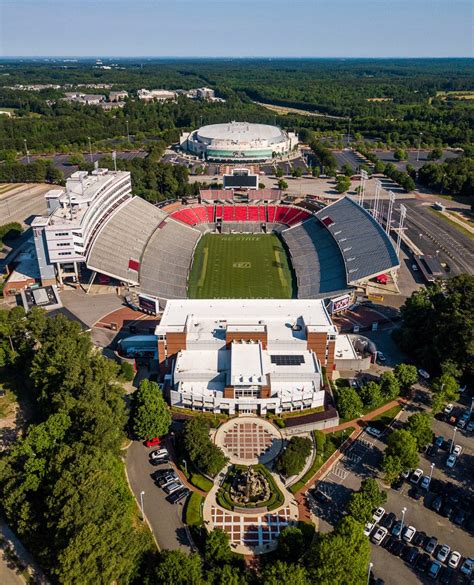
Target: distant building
118 96
205 93
93 99
159 95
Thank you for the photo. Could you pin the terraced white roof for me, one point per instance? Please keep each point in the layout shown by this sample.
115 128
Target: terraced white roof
241 132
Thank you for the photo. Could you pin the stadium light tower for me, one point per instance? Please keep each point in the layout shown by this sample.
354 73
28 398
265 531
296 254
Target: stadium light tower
403 212
376 202
363 178
419 146
27 151
391 201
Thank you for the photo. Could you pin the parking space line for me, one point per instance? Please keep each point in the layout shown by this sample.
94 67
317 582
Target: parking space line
340 472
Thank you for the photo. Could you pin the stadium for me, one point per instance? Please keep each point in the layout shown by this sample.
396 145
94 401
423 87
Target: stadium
221 247
237 141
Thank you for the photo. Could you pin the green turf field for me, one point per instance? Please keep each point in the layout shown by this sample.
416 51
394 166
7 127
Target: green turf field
240 266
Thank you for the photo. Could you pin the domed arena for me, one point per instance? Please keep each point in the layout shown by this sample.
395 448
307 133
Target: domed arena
237 141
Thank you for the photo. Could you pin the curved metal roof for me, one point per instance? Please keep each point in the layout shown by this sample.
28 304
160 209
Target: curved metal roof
241 132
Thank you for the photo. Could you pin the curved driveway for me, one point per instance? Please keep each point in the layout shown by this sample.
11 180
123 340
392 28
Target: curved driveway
165 519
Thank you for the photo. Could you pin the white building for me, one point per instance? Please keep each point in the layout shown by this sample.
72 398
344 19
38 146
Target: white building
253 356
76 215
159 95
118 96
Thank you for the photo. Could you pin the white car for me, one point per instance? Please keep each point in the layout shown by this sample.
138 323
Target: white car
454 559
414 267
468 566
416 476
424 374
457 450
448 409
451 461
443 553
378 514
158 454
368 528
425 482
373 431
408 533
379 535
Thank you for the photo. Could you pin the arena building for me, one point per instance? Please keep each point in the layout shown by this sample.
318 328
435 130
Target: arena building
249 356
237 141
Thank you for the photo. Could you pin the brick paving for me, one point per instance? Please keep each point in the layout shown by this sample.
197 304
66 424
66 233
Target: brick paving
247 440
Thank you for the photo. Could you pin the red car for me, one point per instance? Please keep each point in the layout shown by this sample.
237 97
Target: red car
155 442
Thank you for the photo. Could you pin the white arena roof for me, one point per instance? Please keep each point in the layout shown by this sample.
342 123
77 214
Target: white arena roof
241 132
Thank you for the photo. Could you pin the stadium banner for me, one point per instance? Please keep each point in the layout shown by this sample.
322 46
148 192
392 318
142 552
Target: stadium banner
339 304
375 297
148 304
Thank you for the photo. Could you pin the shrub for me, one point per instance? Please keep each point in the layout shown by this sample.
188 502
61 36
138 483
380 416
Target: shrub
127 371
207 456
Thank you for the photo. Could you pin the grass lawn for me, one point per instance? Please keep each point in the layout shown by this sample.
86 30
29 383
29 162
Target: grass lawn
240 266
193 516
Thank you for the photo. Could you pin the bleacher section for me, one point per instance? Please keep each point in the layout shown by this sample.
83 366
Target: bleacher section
364 245
166 260
274 214
118 246
316 259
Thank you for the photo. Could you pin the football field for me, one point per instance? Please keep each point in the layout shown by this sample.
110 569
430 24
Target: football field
240 266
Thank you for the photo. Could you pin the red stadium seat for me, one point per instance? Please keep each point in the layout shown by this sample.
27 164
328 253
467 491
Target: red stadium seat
253 213
271 209
210 213
240 213
228 213
219 209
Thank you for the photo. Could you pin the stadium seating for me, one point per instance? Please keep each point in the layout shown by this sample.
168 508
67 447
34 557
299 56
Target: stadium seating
123 238
316 259
167 259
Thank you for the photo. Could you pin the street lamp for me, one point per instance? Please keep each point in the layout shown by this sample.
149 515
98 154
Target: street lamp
26 150
431 470
369 572
185 466
142 493
419 146
452 442
90 147
128 134
403 521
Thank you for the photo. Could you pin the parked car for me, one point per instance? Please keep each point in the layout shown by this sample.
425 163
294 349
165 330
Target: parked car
434 570
462 420
373 431
451 461
369 526
457 450
166 479
468 566
159 453
160 460
437 504
408 533
459 517
424 374
447 509
448 409
381 358
378 515
155 442
397 528
410 554
439 441
415 493
470 427
419 539
378 536
389 520
397 548
431 545
446 576
406 473
432 451
172 487
425 482
416 476
454 559
389 542
422 562
178 495
443 553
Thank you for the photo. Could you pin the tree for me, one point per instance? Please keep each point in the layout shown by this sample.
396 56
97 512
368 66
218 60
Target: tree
127 371
349 403
151 415
343 184
392 466
435 154
347 170
282 185
227 575
296 172
291 544
279 172
402 444
362 503
280 573
389 386
445 388
341 556
206 455
419 426
177 567
400 154
293 458
371 395
315 172
217 548
406 374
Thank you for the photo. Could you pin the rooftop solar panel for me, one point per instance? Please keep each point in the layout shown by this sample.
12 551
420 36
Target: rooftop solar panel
287 360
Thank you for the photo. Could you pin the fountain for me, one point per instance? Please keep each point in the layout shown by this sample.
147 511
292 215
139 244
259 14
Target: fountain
249 487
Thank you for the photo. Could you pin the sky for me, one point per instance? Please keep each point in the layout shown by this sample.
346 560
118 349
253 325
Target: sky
237 28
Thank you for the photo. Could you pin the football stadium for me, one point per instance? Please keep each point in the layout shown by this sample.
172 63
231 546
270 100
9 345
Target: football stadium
237 141
219 247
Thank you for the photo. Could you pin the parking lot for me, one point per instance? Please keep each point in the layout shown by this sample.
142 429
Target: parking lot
453 485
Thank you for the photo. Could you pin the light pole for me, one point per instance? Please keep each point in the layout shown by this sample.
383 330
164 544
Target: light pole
472 405
128 133
142 493
403 521
452 442
90 147
419 146
431 470
185 466
369 572
26 150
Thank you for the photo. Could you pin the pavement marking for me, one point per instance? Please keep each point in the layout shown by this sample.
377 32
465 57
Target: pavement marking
340 472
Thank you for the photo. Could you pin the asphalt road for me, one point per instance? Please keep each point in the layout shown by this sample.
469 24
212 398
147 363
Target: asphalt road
431 233
387 156
166 520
